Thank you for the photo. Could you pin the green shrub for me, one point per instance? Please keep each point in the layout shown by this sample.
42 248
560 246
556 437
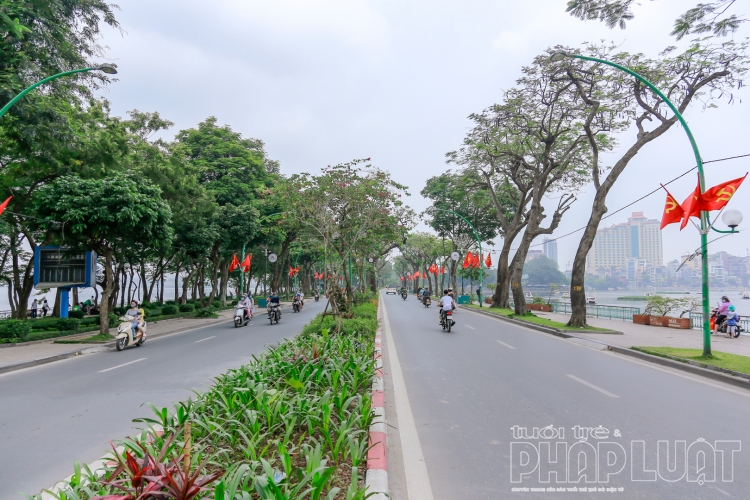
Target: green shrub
114 319
205 312
77 314
366 310
68 324
170 303
120 311
169 309
538 300
216 304
185 308
14 329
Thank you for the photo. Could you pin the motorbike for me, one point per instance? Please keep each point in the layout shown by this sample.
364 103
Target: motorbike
722 328
274 313
447 320
403 294
317 296
124 337
426 301
241 318
296 305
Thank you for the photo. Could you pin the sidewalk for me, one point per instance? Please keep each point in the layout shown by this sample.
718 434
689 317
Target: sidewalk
635 335
23 356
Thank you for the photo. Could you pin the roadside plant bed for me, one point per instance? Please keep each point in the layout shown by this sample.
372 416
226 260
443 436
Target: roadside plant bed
291 424
723 360
531 318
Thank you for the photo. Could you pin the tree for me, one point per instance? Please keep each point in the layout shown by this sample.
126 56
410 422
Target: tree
543 271
706 72
703 18
107 216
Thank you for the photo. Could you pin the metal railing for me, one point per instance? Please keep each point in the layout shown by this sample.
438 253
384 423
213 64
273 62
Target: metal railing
596 311
696 321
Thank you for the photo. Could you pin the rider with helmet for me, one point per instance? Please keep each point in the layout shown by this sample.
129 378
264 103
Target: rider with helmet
446 304
721 315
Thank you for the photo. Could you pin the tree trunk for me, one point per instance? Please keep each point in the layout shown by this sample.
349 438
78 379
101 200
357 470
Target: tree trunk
109 278
224 275
501 296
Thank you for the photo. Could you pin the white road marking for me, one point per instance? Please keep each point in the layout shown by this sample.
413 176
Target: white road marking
592 386
417 481
468 326
207 338
120 366
506 345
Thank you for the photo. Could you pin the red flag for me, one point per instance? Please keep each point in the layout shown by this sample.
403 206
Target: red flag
690 206
488 260
402 278
235 263
716 197
246 263
475 261
434 269
443 270
291 271
5 204
416 274
468 260
673 211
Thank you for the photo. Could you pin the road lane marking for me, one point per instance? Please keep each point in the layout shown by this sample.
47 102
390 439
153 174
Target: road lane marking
207 338
506 345
592 386
120 366
417 481
468 326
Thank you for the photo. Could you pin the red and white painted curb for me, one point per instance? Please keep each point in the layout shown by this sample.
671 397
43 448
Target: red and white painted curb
377 457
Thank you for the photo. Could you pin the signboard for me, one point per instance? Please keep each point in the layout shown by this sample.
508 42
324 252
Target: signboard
59 267
455 256
272 258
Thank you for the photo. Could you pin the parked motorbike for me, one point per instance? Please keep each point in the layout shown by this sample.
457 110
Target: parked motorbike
446 320
241 318
124 337
274 313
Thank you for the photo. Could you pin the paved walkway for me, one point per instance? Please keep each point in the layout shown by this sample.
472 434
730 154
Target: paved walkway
644 335
23 353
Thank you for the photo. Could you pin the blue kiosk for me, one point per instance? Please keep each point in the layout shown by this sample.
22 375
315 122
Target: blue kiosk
59 267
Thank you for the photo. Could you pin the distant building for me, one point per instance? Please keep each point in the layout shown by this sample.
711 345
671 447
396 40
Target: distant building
637 240
550 249
533 254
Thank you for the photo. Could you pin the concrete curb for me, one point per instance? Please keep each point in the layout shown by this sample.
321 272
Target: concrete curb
720 374
376 477
98 348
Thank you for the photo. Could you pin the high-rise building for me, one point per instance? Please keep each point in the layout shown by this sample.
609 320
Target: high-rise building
550 249
615 246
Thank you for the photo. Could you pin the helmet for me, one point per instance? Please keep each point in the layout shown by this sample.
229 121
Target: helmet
725 298
731 308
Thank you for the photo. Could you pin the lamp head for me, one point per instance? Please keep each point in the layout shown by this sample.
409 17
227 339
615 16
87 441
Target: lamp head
558 56
110 69
732 218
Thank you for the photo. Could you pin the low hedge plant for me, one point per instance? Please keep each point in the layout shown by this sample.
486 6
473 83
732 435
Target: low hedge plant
292 423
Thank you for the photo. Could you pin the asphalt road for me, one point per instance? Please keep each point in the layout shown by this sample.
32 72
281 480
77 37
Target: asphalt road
54 414
468 389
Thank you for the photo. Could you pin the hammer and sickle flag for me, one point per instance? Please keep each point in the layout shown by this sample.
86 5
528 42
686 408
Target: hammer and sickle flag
718 196
690 207
673 211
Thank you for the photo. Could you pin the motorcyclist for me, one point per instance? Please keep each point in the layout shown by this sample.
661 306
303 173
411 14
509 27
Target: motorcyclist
722 313
274 301
446 304
425 294
317 294
247 305
301 298
137 314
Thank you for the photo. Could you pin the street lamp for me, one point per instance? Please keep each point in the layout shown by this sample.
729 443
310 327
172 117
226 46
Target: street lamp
705 225
732 218
109 69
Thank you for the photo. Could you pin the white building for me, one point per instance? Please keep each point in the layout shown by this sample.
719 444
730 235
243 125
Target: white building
550 249
615 246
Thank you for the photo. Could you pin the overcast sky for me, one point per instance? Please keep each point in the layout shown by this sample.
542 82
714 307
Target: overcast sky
325 81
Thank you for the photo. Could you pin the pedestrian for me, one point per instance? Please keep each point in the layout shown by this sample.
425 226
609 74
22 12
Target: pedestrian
45 307
731 322
34 307
479 294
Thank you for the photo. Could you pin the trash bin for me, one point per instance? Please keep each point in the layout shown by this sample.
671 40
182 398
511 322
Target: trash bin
262 302
463 299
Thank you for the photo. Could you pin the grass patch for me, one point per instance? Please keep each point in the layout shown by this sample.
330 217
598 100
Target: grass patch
291 424
724 360
531 318
98 338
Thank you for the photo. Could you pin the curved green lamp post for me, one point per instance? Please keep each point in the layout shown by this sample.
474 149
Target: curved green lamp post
705 224
110 69
479 242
